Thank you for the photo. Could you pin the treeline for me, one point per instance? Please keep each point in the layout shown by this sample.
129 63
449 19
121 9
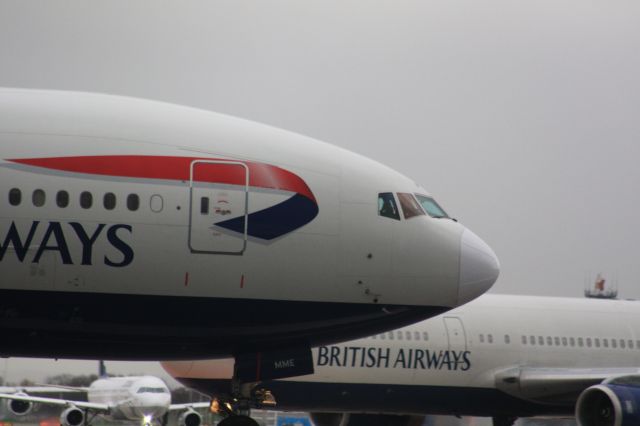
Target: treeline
76 381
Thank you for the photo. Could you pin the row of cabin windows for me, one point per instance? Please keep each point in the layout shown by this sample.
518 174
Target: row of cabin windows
581 342
403 335
39 198
526 340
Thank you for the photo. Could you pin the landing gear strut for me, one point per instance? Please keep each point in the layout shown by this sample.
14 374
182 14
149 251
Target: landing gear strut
252 368
244 397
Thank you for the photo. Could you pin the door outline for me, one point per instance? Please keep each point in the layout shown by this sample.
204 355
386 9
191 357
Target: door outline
246 205
454 325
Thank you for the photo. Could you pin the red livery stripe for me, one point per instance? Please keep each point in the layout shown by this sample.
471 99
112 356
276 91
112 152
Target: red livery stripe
174 168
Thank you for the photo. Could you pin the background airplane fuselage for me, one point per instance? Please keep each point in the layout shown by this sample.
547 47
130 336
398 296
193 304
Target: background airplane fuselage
131 398
106 234
474 360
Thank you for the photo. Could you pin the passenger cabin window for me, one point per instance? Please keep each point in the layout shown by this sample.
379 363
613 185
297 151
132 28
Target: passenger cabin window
38 198
133 202
425 336
15 197
416 335
86 200
507 339
407 335
109 201
387 206
524 340
156 203
410 207
490 338
62 199
432 208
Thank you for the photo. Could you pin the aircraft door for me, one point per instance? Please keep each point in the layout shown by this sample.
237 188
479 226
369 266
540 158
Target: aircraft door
455 334
218 208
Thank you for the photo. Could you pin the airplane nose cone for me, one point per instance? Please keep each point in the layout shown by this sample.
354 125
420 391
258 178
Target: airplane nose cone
479 267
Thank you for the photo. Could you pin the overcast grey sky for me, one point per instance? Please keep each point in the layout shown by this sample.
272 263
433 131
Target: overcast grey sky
521 117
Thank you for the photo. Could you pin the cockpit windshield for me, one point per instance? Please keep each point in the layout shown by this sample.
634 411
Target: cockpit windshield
410 206
151 390
432 208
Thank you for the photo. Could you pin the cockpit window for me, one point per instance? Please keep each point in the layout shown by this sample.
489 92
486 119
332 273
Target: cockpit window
410 206
387 206
151 390
432 208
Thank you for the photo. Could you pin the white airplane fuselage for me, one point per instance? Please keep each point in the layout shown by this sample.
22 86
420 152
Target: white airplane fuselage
508 356
172 232
131 398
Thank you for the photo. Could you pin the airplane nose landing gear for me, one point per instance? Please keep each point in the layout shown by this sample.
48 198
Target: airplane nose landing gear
238 408
250 369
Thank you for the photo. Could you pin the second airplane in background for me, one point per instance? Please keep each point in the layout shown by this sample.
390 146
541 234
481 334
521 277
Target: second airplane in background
145 399
499 356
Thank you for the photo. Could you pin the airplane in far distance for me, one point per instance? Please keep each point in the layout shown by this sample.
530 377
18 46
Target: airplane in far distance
141 398
499 356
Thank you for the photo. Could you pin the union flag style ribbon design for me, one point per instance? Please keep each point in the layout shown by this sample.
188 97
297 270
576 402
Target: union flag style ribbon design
266 224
